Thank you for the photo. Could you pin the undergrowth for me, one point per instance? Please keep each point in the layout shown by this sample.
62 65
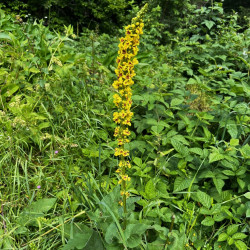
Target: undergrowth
189 148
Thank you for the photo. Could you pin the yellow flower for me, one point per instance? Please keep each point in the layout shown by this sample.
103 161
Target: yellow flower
126 178
128 49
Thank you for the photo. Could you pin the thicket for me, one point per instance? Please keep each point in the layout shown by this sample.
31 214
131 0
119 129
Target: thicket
190 153
109 15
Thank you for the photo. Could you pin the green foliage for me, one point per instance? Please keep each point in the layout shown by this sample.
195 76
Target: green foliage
189 144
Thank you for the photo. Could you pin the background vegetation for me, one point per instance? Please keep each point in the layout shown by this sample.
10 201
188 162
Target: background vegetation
190 135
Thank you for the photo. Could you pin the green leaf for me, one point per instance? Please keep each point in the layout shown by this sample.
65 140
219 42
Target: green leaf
247 195
219 183
241 183
137 161
240 245
239 236
230 241
181 184
204 199
133 234
150 190
197 151
234 142
89 239
215 156
4 36
10 90
245 151
223 237
208 221
228 172
44 125
42 205
112 233
232 229
176 101
179 147
209 24
35 210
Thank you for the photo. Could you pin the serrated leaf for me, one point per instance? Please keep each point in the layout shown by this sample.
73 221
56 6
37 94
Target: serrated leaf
150 190
204 199
197 151
223 237
181 139
208 221
215 156
179 147
232 229
219 183
240 245
239 236
181 184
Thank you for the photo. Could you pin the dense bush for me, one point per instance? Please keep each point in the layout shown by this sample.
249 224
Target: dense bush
189 146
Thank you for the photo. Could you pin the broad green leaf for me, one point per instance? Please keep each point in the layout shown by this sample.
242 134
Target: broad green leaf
89 239
134 240
209 24
245 151
230 241
44 125
197 151
223 237
35 210
179 147
176 101
240 245
4 36
137 161
234 142
241 183
204 199
10 90
135 229
232 229
42 205
239 236
215 156
228 172
34 70
150 190
181 139
247 195
112 233
133 234
208 221
219 183
181 184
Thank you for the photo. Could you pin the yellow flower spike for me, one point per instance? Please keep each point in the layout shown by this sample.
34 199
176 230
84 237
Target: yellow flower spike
122 99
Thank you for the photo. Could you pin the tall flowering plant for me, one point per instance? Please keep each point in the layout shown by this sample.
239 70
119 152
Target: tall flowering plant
128 49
